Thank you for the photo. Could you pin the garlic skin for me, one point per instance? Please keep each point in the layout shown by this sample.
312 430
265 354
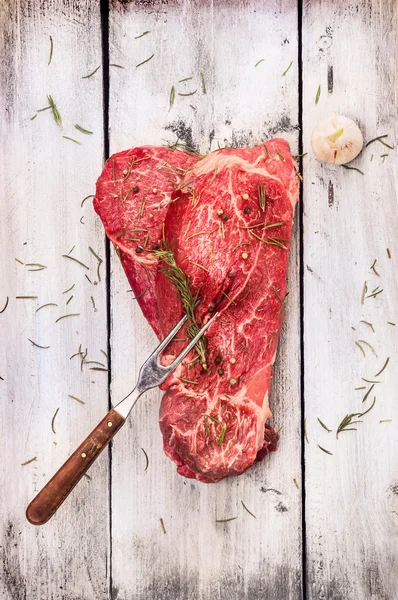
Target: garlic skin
337 140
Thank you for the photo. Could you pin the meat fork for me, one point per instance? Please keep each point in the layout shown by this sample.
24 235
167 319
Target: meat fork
151 375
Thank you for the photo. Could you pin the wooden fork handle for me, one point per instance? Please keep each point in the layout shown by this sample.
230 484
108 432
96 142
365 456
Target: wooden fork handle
50 498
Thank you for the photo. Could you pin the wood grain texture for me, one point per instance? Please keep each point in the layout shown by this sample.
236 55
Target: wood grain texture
55 492
43 179
350 219
198 558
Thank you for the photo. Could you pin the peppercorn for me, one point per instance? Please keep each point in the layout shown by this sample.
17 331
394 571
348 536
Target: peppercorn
230 275
218 359
220 371
246 210
224 217
136 189
155 247
138 250
210 309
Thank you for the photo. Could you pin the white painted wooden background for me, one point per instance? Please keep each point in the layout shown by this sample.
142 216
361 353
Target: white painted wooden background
107 542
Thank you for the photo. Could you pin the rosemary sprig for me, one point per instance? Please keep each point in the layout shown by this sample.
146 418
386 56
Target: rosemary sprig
324 426
259 61
318 94
146 459
145 61
284 72
375 293
137 37
346 423
55 111
53 420
324 450
82 130
92 73
182 284
247 510
51 51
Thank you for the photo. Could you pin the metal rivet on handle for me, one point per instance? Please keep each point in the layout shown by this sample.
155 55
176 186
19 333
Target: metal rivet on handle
109 423
84 455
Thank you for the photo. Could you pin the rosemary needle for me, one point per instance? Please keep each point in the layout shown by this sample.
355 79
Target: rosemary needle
44 305
51 50
75 260
202 77
5 306
324 426
146 459
376 139
318 93
53 420
226 520
69 315
71 140
77 399
82 130
38 345
324 450
172 96
92 73
144 61
383 367
162 525
28 461
258 62
247 510
284 72
84 199
189 93
137 37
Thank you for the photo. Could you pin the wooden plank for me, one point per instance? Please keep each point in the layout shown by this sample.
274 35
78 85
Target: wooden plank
350 220
244 104
44 179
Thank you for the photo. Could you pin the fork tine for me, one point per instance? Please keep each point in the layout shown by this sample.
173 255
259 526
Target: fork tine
169 337
191 344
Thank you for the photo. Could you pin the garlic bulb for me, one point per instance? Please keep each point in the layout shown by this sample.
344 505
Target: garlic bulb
336 140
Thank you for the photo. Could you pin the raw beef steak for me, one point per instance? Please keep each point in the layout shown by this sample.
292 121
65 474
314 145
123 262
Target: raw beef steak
227 227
